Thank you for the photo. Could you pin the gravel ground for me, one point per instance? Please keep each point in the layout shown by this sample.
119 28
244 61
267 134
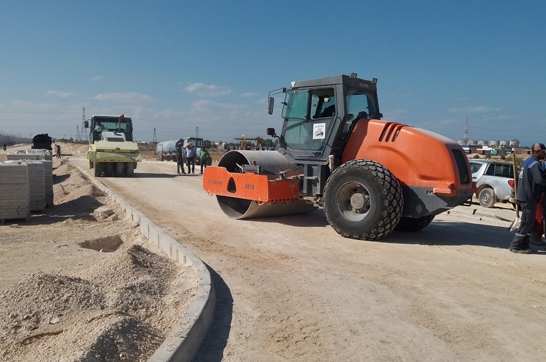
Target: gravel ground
75 286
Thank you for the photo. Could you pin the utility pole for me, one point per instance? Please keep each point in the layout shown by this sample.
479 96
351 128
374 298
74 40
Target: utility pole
77 133
465 138
83 122
196 133
154 139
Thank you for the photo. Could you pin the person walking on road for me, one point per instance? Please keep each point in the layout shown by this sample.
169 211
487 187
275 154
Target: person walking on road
204 157
179 158
530 182
58 151
190 155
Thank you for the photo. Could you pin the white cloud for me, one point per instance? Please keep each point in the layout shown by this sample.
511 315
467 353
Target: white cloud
98 77
59 94
30 106
474 110
130 97
204 90
249 94
215 110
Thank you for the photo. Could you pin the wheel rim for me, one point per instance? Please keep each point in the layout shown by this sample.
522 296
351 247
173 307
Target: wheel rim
353 201
486 197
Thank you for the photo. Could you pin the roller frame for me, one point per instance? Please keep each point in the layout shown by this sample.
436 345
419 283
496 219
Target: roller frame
249 186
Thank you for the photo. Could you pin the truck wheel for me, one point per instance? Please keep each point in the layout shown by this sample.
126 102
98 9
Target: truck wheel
414 224
98 169
487 197
363 200
120 169
130 169
109 169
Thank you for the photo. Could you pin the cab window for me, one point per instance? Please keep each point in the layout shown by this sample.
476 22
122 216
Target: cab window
308 116
359 105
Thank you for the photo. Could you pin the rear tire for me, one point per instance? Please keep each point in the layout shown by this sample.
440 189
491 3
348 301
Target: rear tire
98 169
487 197
363 200
130 169
109 169
414 224
120 169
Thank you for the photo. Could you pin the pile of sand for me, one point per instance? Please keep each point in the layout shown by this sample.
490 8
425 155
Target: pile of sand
119 308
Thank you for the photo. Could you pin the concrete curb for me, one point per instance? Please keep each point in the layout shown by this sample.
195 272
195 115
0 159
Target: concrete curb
184 340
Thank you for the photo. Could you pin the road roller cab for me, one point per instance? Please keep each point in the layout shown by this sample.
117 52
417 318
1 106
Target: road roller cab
369 175
112 151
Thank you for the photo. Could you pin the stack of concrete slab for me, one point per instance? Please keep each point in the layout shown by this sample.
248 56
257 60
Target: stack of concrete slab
45 156
37 185
14 191
22 155
48 180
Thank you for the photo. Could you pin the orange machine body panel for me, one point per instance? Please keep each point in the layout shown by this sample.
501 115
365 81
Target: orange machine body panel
249 186
418 158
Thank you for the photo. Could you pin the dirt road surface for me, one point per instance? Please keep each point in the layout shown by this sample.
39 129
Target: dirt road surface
290 288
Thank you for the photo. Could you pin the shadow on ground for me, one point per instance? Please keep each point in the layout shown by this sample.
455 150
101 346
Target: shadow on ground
314 219
154 175
437 233
212 348
57 179
77 209
455 233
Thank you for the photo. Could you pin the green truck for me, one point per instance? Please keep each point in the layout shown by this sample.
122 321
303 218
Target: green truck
112 151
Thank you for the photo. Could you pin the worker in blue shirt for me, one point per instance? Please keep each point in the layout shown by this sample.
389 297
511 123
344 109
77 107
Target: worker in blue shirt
530 182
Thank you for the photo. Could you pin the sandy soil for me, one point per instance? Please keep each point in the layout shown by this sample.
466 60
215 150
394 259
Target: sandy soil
77 287
290 288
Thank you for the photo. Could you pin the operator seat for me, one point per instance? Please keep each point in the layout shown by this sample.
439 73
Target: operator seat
350 120
329 111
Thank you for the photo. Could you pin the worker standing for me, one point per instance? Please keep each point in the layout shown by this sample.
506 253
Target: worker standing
536 241
58 150
530 181
179 158
190 155
5 147
204 155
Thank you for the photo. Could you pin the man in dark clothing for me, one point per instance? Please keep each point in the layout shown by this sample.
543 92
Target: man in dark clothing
179 158
530 181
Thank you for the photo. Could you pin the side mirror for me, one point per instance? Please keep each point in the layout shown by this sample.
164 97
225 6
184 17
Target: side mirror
270 132
270 105
86 124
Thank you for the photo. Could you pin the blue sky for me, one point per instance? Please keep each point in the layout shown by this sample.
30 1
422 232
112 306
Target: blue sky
178 65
